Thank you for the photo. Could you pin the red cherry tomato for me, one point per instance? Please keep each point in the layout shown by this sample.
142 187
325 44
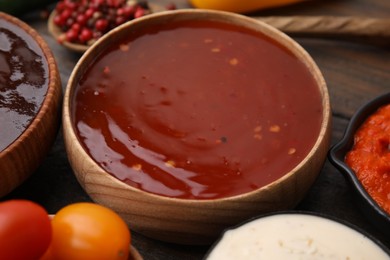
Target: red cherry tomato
25 230
88 231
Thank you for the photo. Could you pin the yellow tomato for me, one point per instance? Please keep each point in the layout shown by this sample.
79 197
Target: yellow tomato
88 231
240 6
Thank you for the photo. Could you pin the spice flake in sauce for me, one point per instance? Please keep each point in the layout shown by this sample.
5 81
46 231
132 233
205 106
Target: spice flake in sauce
23 81
197 110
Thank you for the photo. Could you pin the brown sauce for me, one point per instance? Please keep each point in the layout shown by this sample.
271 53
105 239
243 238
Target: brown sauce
23 81
197 110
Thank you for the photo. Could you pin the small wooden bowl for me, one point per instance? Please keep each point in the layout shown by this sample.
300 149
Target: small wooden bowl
181 220
19 160
55 31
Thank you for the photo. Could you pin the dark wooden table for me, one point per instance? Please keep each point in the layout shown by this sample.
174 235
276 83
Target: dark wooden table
355 73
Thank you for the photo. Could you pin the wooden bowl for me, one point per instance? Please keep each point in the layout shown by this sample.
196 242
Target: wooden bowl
23 155
192 221
369 207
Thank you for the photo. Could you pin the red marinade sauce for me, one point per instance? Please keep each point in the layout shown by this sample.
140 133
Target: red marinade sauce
24 81
197 110
369 157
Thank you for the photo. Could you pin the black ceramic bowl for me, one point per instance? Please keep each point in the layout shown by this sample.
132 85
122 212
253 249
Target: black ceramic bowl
374 213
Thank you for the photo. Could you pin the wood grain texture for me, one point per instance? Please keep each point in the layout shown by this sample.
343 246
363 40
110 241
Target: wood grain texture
192 221
21 158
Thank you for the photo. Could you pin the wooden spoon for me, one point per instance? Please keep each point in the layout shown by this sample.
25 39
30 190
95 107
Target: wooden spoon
374 30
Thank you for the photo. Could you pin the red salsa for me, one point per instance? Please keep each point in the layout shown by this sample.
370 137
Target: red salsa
197 110
24 81
369 157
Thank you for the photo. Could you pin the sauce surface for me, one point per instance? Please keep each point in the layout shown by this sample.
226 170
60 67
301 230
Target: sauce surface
23 81
197 110
369 157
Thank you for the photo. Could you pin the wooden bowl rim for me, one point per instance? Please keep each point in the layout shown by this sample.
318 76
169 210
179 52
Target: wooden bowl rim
245 21
52 87
134 253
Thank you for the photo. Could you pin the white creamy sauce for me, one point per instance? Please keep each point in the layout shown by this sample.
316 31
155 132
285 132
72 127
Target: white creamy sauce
295 236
